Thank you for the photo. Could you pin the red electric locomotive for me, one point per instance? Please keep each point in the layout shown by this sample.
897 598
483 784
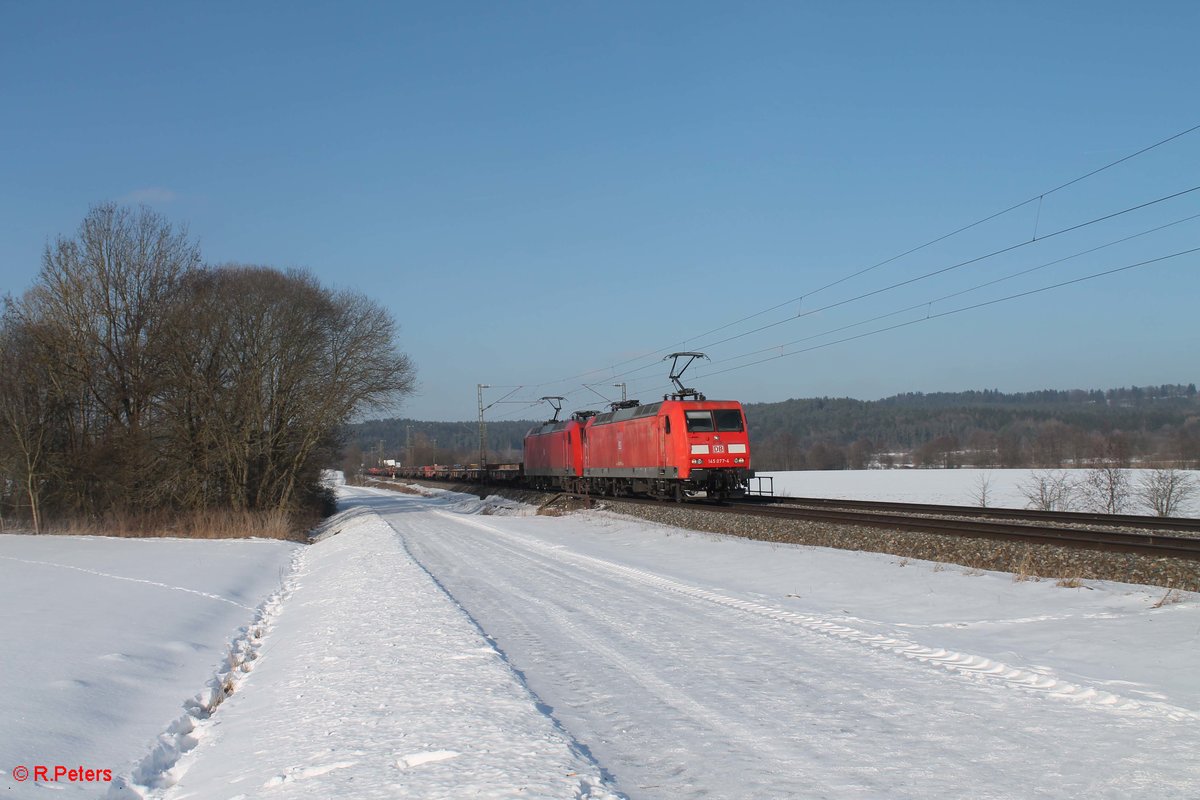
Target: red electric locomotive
673 449
554 451
685 446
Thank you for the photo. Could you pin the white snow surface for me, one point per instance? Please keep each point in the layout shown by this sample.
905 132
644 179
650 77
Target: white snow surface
671 664
373 683
958 487
103 641
439 645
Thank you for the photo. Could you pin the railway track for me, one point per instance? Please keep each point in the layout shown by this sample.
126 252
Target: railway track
1180 524
1099 535
1173 537
1088 531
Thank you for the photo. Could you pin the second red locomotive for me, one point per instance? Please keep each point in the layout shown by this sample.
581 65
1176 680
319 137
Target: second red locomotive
684 446
672 449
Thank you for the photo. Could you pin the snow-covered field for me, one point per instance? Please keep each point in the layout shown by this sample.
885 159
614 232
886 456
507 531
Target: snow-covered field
942 486
443 646
103 640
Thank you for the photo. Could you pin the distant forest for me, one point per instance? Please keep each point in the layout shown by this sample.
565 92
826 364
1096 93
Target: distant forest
1049 428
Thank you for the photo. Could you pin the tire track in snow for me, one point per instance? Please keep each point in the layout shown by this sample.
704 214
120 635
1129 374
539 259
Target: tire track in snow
964 664
587 788
610 696
976 623
706 716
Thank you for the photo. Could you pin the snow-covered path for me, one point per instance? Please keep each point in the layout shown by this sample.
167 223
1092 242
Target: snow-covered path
372 683
686 687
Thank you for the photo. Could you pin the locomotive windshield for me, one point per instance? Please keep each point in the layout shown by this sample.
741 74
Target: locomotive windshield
728 419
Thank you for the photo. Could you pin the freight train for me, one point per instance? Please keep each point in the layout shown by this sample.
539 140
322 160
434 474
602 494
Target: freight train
682 447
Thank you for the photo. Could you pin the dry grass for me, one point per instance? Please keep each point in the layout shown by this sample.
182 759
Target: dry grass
1170 598
1071 582
206 524
976 565
1025 569
553 507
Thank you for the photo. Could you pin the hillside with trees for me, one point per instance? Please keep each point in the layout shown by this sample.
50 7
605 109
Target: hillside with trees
1050 428
411 441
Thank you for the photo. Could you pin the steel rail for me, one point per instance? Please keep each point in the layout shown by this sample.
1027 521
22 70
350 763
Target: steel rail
1183 524
1075 537
1086 538
1108 540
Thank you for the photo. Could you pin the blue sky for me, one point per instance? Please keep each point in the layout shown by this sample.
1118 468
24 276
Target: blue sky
540 189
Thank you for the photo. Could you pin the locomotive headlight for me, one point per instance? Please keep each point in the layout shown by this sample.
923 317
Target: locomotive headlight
697 460
739 461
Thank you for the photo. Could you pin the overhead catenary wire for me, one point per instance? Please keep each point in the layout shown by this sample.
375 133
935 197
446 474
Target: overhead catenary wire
930 302
931 316
959 293
924 303
952 267
611 371
952 312
503 399
1039 196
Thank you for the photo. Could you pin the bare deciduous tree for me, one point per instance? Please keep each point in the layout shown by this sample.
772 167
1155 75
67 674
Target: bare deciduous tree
156 384
981 494
1050 443
27 413
1166 492
269 366
1106 489
96 311
1049 491
860 454
1010 449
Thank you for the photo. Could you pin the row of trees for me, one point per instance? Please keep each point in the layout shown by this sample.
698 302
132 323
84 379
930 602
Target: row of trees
1055 446
136 379
1126 396
1107 490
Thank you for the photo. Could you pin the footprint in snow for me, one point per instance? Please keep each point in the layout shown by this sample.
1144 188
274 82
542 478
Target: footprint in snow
300 773
417 759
